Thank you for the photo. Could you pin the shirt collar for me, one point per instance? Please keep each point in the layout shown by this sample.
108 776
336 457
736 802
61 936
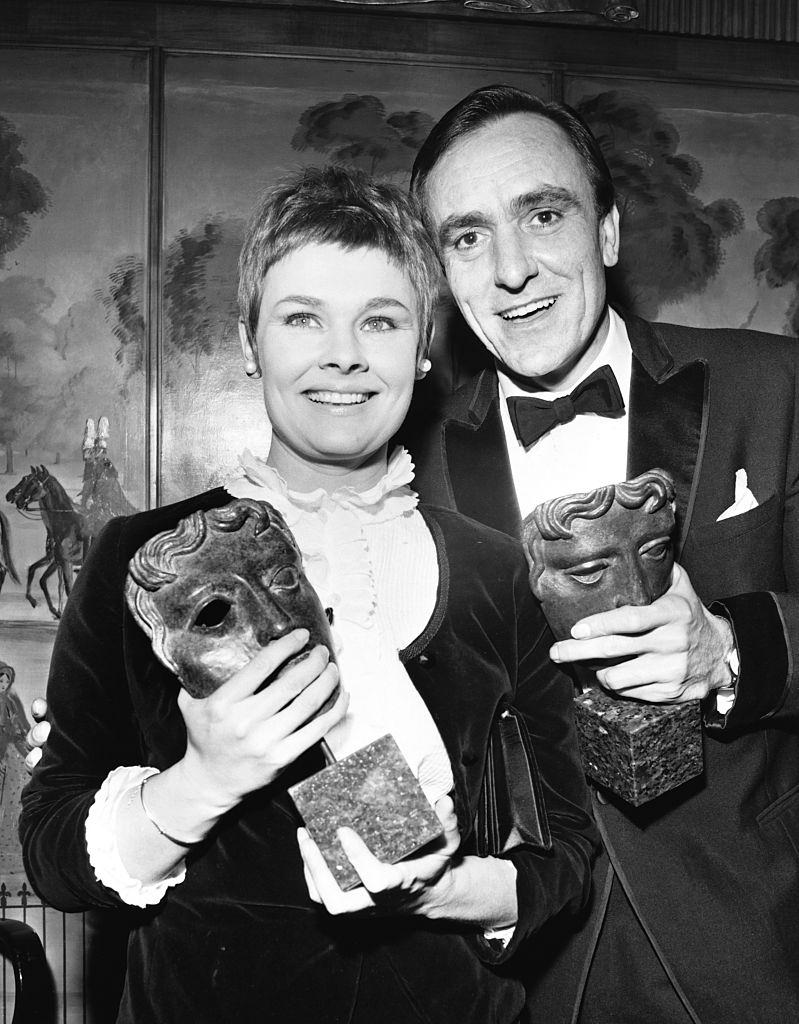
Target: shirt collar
615 352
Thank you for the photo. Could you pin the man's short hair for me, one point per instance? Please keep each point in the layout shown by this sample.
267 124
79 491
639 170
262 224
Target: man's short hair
493 102
340 206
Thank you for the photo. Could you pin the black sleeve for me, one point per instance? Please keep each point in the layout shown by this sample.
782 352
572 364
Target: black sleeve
93 731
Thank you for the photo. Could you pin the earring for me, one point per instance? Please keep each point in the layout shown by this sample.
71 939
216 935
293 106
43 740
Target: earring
252 369
424 367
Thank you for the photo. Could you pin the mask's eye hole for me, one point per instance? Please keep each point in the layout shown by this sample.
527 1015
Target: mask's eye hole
212 615
286 578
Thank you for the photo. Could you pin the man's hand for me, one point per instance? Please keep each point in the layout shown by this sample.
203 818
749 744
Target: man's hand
38 733
674 649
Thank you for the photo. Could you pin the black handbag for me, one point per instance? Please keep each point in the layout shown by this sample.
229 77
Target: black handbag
511 812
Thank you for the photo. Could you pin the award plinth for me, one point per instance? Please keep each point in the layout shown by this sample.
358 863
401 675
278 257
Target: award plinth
638 751
373 792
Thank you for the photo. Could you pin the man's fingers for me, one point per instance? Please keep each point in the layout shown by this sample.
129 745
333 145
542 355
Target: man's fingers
32 758
37 734
38 708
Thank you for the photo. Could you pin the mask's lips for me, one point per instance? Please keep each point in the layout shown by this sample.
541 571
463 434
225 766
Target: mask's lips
528 309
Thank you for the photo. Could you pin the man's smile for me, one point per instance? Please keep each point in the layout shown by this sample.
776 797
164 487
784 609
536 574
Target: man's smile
528 309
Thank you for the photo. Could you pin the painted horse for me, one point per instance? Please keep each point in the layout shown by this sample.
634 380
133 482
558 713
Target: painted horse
67 537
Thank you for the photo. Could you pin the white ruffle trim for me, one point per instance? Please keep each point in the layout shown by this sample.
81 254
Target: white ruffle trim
101 841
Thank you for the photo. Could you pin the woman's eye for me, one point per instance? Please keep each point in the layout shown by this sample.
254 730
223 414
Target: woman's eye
212 614
379 323
286 578
300 320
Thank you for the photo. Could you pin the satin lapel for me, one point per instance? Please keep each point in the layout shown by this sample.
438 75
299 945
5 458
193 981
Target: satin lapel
477 461
668 424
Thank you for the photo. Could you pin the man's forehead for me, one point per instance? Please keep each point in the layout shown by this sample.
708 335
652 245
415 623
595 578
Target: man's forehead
502 160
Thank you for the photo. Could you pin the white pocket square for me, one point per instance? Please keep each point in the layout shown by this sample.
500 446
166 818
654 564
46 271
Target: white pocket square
745 501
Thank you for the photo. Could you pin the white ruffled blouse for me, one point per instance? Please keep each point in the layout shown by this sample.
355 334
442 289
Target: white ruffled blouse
371 559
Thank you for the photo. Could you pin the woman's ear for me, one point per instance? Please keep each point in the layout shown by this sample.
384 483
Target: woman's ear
251 367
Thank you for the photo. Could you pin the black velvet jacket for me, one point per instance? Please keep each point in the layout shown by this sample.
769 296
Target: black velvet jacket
239 939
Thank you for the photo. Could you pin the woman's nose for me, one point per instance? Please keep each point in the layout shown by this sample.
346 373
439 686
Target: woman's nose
344 352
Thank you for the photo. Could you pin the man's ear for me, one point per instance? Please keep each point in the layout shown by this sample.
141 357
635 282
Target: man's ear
249 352
609 237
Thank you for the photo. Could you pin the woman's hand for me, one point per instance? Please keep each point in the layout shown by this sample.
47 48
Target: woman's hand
416 885
241 737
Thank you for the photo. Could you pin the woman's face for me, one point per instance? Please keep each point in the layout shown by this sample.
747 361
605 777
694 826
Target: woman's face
337 341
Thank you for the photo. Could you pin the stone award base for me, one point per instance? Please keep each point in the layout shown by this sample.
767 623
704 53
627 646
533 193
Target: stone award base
373 792
638 751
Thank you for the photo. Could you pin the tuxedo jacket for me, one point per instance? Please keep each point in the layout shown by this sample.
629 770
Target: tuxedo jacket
709 874
239 939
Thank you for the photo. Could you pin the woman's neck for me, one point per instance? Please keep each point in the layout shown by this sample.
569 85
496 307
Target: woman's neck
303 475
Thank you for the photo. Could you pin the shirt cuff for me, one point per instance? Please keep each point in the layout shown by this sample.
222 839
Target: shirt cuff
101 841
499 935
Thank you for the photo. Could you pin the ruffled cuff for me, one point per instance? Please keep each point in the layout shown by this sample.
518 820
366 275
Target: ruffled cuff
101 841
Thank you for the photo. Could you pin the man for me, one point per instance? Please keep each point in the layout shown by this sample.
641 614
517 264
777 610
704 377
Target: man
695 915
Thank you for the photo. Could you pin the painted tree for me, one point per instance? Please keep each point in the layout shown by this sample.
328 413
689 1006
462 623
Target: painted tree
25 332
188 314
356 130
671 240
777 259
123 301
21 193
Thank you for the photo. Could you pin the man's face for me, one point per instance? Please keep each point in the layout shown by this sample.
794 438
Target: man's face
231 597
523 247
623 558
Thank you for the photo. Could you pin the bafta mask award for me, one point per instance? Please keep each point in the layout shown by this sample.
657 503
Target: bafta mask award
212 592
589 553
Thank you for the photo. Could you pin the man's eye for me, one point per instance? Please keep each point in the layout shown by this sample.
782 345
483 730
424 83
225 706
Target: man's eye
300 320
286 578
545 218
468 240
379 323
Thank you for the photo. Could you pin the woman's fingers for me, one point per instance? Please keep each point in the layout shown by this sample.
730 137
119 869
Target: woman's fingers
264 665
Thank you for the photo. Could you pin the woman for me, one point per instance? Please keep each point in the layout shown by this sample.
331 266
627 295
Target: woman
243 921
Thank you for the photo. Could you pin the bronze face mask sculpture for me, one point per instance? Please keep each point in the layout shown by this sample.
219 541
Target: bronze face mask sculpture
590 553
217 588
600 550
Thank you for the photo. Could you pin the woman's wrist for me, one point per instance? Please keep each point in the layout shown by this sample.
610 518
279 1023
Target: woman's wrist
476 890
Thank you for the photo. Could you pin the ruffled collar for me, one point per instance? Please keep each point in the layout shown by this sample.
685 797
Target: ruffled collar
390 497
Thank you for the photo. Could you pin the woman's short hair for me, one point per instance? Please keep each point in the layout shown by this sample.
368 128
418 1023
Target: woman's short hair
341 206
493 102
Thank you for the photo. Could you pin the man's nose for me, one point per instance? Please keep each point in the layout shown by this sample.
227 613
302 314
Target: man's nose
514 259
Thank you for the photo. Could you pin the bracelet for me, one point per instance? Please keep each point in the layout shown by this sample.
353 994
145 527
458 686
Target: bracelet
151 819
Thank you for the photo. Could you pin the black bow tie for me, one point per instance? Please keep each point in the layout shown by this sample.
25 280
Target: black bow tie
533 417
